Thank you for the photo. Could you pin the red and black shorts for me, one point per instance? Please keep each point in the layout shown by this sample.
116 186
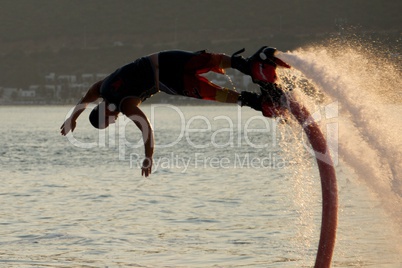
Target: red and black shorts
180 73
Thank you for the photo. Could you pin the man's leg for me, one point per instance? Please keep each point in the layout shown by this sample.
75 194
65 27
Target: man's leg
201 87
207 90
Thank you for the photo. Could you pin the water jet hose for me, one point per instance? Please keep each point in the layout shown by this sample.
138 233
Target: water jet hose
328 183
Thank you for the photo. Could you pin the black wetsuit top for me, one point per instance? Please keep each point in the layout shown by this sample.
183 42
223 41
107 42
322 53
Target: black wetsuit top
137 79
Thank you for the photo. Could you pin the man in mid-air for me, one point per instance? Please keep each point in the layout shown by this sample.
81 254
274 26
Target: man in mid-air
178 72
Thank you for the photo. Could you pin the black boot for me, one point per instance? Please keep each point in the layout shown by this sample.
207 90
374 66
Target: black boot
271 93
251 99
240 63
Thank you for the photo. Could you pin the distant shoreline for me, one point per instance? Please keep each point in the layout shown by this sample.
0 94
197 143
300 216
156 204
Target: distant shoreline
191 102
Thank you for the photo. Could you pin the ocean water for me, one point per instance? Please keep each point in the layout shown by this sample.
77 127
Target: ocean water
229 189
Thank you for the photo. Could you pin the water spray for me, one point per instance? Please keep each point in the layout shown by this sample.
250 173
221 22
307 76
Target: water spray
367 87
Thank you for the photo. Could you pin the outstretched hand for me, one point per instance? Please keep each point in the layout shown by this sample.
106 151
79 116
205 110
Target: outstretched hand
146 167
68 125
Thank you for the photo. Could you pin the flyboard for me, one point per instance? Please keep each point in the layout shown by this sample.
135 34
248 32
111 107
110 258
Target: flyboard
327 174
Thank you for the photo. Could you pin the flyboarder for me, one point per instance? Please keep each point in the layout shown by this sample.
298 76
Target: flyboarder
178 72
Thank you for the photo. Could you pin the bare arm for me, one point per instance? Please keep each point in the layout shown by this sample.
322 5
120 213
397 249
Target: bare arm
92 95
130 109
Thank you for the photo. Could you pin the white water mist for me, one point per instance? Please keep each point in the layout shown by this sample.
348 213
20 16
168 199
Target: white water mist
367 87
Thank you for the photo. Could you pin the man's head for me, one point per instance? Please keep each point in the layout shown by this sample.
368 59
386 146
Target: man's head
103 115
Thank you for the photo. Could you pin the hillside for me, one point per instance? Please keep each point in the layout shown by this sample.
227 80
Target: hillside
74 36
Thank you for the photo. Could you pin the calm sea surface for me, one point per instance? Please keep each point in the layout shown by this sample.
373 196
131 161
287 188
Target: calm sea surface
229 189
